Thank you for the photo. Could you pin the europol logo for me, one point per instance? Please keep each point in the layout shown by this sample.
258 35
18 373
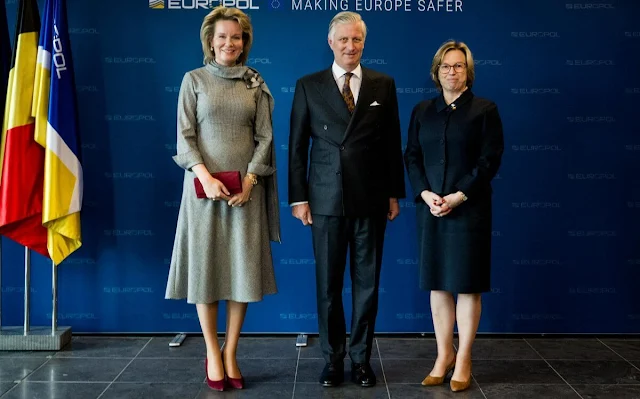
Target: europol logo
156 4
210 4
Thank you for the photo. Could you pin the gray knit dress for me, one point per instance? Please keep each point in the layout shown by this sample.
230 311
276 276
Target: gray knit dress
222 252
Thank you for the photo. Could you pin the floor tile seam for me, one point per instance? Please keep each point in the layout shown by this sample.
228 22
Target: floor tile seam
295 377
478 384
384 375
125 367
48 359
554 370
622 357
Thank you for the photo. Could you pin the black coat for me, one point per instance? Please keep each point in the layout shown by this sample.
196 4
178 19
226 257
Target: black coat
452 149
355 160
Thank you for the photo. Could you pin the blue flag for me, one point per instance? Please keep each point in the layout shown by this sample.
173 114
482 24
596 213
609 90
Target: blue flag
42 81
63 182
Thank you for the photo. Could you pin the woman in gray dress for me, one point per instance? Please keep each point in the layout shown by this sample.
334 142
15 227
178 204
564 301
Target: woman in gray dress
454 150
222 245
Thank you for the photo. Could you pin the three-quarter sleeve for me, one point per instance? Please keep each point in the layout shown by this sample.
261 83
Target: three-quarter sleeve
187 155
413 156
488 163
261 163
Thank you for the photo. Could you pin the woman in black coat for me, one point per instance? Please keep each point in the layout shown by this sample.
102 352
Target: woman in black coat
454 150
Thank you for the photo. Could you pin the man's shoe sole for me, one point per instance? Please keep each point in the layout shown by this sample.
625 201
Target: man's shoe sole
330 385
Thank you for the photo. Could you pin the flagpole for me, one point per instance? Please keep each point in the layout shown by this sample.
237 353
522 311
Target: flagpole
54 291
27 288
23 161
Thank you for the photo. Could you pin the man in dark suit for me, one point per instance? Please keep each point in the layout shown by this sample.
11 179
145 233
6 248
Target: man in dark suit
354 180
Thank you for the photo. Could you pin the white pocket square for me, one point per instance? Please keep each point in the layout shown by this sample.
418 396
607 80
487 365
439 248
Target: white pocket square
374 104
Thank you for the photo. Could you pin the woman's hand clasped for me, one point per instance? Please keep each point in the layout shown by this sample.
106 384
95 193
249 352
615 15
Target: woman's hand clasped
215 190
453 200
436 203
243 197
441 206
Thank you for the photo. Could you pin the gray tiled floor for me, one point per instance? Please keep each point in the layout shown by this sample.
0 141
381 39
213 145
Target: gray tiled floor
123 368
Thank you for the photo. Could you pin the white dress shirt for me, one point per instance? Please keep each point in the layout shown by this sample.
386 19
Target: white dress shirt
354 84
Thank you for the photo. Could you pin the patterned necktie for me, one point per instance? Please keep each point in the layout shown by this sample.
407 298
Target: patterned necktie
347 94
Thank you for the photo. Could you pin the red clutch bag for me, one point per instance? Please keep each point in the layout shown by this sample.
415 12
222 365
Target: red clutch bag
231 181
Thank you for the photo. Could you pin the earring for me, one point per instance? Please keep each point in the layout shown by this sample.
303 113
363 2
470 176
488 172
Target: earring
211 48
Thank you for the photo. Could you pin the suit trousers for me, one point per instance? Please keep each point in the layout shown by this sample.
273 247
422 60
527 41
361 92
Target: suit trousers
364 238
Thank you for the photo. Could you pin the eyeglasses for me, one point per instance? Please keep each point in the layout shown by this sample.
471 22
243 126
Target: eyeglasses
459 67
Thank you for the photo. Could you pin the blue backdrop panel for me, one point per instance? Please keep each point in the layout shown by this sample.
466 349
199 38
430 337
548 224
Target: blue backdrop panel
566 257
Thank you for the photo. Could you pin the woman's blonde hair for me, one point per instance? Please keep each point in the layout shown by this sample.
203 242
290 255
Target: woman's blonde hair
226 14
442 51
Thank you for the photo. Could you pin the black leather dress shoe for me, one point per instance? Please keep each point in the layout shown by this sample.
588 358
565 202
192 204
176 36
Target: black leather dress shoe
332 375
362 374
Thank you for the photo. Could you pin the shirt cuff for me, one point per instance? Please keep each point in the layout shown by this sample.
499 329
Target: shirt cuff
188 160
260 169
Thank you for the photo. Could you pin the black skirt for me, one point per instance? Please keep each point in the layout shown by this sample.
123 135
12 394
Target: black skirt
454 251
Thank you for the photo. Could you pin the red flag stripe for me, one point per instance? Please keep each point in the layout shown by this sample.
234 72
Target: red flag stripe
21 190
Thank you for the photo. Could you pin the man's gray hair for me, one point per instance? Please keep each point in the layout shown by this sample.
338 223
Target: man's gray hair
347 17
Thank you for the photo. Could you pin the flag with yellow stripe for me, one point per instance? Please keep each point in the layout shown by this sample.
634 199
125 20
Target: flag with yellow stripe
21 158
63 183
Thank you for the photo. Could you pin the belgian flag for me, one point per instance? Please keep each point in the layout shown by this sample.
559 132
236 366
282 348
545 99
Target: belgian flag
21 158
